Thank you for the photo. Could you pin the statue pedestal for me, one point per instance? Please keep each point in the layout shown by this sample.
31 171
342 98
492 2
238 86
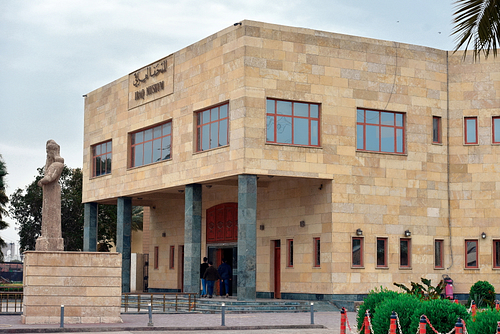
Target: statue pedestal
49 244
88 284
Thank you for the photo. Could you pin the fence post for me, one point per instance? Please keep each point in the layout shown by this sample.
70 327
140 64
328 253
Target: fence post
150 311
423 325
62 317
459 327
392 326
312 313
342 321
223 314
367 322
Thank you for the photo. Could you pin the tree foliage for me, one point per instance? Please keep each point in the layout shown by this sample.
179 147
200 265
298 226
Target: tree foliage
26 210
477 24
3 203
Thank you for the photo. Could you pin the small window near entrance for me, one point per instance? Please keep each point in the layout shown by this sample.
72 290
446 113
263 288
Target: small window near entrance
381 252
156 258
357 252
317 252
405 253
289 258
172 254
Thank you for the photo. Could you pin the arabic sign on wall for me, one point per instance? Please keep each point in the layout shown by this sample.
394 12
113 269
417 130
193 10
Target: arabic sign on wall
151 82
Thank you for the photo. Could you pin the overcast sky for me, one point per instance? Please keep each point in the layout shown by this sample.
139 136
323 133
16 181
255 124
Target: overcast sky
54 51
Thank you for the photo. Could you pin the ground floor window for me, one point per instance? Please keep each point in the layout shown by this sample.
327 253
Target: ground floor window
404 252
289 261
471 258
156 253
381 252
172 257
496 253
438 254
317 252
357 252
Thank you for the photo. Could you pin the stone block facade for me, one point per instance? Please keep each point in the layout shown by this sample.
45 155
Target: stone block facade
440 188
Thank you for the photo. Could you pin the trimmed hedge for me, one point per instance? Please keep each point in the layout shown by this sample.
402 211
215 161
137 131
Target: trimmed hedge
442 313
404 305
374 298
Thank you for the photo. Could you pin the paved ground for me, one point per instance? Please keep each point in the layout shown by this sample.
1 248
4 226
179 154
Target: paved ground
247 323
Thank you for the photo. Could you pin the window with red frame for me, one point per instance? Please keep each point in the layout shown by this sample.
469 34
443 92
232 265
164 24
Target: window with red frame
156 257
471 258
151 145
470 130
172 254
212 127
496 253
496 130
357 252
436 130
438 254
404 253
381 252
294 123
380 131
101 159
317 252
289 258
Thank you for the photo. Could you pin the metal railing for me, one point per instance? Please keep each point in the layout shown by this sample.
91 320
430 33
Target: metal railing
160 302
11 302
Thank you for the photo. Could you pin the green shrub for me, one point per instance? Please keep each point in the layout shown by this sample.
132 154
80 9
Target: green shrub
374 298
486 322
404 305
442 314
483 294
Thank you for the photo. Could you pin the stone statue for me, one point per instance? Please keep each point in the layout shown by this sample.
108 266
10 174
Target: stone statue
51 238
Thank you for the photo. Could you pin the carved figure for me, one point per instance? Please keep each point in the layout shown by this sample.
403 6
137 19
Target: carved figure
51 238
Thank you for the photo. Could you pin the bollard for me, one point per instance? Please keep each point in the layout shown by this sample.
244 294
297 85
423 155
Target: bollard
423 325
459 327
392 326
312 313
367 322
342 321
62 317
150 323
456 301
473 310
223 314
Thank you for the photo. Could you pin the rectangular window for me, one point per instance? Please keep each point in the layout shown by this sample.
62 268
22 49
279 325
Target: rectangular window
496 253
438 254
172 254
380 131
294 123
317 252
151 145
470 130
101 159
496 130
436 130
357 252
381 252
289 258
405 253
471 258
156 257
212 127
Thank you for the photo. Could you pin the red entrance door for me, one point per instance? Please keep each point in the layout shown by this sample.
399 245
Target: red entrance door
277 269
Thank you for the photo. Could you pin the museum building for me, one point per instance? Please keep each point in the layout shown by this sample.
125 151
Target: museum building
319 165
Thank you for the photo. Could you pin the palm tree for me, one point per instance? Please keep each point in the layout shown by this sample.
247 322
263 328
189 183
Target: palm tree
3 203
477 24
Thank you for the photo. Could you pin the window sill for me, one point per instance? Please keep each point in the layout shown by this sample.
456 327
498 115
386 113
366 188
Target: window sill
150 164
405 268
97 177
294 145
475 268
361 267
210 149
383 268
386 153
442 268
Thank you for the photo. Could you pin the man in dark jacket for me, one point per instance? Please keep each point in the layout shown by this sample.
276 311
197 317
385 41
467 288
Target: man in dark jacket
211 275
203 268
225 274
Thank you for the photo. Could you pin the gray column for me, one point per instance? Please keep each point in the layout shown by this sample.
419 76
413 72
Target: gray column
123 237
90 227
192 238
247 236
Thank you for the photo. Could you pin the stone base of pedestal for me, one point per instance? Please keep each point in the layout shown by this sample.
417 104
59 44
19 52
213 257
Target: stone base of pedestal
88 284
49 244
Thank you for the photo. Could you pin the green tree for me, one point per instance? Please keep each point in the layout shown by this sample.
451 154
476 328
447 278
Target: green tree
477 24
3 203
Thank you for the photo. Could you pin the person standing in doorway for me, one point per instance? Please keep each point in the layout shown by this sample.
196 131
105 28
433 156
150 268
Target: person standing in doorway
211 275
225 274
203 268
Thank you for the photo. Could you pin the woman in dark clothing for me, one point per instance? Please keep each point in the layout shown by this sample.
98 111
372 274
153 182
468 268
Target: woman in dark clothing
211 275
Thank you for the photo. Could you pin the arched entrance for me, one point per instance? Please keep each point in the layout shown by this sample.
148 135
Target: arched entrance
222 238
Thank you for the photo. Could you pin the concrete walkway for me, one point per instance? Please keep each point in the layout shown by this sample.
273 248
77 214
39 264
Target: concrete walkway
250 323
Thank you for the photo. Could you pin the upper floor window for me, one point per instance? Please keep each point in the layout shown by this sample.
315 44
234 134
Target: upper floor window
471 258
382 252
294 123
470 130
380 131
496 130
212 127
436 130
151 145
101 159
357 252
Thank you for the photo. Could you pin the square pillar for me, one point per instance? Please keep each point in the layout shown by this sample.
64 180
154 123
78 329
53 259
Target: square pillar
247 237
123 237
90 227
192 238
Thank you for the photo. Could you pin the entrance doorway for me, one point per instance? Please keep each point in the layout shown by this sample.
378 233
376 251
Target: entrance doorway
216 254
